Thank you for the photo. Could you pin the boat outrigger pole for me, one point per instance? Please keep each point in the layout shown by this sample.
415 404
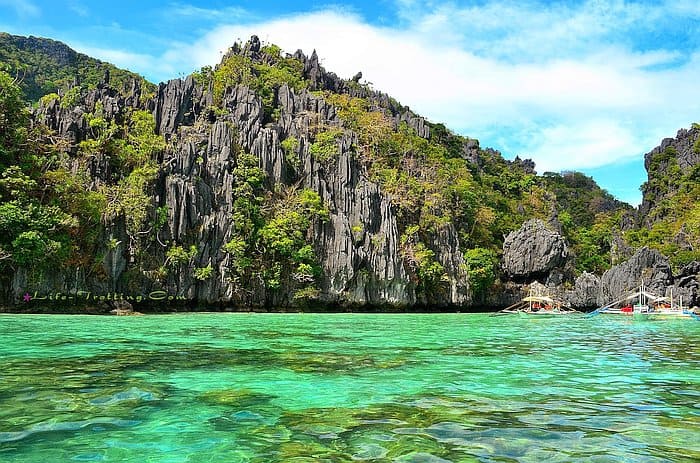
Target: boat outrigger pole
599 309
510 309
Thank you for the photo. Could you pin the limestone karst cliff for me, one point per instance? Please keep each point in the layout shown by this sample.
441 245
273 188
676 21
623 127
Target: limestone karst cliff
268 182
357 245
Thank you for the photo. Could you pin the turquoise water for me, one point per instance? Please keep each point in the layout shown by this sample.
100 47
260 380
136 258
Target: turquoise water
350 387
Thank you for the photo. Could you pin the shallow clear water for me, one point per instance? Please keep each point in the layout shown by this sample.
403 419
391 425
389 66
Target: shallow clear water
337 388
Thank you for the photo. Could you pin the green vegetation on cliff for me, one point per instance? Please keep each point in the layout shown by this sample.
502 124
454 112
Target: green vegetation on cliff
45 211
44 66
270 236
96 200
671 202
590 218
51 209
433 185
264 75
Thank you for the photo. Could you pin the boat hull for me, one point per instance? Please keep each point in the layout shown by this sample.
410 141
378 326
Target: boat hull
545 314
651 315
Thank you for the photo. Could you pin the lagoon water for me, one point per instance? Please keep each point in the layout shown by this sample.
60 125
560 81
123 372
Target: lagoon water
348 387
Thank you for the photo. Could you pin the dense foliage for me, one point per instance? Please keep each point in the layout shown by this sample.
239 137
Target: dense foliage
270 235
46 212
673 218
51 211
44 66
265 75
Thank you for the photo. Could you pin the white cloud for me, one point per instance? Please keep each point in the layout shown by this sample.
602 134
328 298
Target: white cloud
135 62
504 27
689 8
567 85
79 9
215 14
591 143
23 8
585 110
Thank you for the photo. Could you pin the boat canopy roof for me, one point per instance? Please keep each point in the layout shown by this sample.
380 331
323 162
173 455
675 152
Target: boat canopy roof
648 295
538 299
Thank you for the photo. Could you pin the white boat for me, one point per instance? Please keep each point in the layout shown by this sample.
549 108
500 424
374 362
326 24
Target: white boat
644 305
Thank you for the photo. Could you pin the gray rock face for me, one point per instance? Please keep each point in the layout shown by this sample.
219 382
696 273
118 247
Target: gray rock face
620 251
646 265
686 285
682 150
585 293
358 248
533 250
683 144
470 152
456 288
505 293
178 103
359 245
527 165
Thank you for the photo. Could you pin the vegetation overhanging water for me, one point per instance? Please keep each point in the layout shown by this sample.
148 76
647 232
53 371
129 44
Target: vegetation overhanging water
347 387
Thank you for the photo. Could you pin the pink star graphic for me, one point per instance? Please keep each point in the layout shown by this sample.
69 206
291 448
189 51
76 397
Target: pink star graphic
27 297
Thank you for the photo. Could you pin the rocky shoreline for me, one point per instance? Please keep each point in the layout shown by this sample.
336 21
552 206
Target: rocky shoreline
534 254
537 254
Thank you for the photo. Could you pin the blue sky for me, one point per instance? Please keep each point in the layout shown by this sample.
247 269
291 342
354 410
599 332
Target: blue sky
574 85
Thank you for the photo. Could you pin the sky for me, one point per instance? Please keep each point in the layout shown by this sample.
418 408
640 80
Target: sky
574 85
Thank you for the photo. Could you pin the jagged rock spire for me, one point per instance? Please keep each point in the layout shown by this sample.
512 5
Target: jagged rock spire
252 47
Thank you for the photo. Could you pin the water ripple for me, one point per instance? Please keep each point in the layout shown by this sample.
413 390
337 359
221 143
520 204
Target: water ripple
343 388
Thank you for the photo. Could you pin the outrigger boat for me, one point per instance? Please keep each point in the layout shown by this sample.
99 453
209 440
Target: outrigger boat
538 306
644 305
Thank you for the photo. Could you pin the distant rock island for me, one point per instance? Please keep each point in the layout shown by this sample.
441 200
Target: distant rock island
269 183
